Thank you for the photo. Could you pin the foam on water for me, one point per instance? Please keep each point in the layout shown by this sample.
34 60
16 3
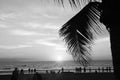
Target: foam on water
50 65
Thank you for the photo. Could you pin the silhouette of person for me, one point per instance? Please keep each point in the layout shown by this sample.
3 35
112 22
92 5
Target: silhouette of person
29 70
21 75
47 71
62 69
109 69
84 69
15 74
34 70
106 69
80 69
95 71
76 69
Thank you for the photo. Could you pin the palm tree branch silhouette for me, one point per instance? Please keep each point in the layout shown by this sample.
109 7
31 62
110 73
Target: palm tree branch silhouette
89 19
79 32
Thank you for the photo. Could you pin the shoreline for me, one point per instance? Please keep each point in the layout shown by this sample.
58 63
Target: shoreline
75 70
67 76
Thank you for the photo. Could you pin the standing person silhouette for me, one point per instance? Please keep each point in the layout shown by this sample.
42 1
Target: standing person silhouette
84 70
29 70
80 70
62 69
15 74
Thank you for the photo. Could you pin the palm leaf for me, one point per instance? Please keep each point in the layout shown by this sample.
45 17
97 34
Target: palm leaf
76 3
78 32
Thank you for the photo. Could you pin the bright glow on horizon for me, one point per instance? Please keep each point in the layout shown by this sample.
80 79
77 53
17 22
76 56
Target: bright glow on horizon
59 58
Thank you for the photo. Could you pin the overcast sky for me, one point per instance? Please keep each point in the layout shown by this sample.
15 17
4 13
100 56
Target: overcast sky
29 31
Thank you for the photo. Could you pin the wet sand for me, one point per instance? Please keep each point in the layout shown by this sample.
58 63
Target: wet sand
67 76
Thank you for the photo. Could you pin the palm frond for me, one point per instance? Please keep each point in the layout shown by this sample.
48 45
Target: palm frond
76 3
78 31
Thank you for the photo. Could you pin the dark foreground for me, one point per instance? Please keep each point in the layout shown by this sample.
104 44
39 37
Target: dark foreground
65 76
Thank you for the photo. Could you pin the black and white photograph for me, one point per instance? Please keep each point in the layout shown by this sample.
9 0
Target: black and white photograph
59 40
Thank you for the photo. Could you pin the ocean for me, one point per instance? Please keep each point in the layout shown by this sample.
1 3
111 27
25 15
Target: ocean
42 66
51 65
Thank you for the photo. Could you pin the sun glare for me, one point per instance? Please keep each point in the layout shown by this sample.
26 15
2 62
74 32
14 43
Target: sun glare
59 58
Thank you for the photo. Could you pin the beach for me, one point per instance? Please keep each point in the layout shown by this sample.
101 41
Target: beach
67 76
101 70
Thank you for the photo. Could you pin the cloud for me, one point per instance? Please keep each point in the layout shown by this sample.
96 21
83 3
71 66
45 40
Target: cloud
14 46
5 16
21 32
56 46
32 25
2 25
60 47
45 42
50 42
50 16
38 25
51 26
